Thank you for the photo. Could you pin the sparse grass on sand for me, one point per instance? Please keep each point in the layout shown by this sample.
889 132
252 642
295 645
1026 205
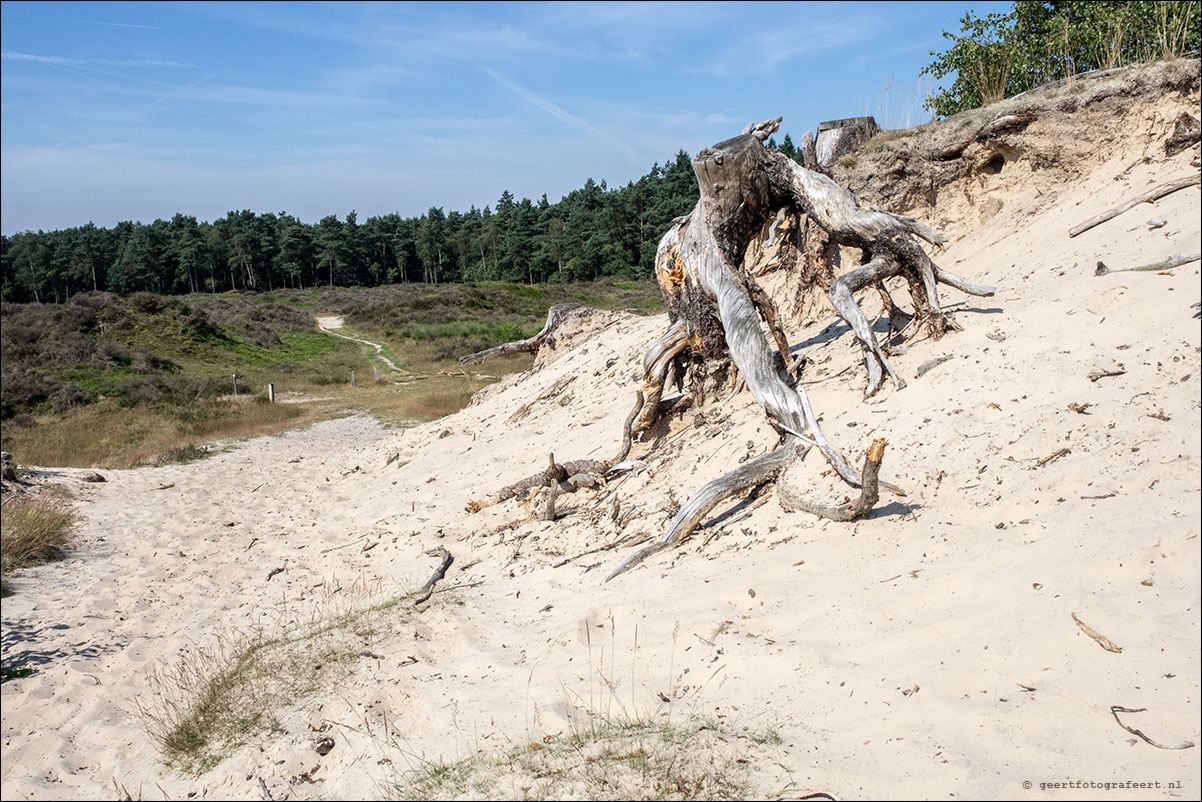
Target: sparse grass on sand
34 527
602 758
214 699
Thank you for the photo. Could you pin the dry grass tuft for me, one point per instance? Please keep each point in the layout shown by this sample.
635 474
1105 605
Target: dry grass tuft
33 529
216 698
602 759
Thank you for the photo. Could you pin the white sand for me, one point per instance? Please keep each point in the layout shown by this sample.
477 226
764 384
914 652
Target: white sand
964 589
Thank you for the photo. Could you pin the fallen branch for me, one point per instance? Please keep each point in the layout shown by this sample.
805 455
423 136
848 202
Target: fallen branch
427 590
1115 710
343 546
1164 264
1147 197
1101 373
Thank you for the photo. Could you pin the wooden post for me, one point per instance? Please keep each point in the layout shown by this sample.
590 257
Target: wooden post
235 384
377 371
270 393
352 378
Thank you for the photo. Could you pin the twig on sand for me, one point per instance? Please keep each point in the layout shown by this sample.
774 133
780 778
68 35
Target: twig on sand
344 545
427 590
930 364
1057 454
608 546
1116 709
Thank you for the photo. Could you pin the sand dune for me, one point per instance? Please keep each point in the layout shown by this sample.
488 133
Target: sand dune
927 651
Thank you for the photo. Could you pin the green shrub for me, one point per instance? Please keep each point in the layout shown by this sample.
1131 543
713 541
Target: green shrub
1000 55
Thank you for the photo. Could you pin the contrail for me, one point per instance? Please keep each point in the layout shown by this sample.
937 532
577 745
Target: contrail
141 108
560 114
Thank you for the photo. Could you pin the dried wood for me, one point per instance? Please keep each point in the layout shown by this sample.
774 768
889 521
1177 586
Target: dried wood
746 476
1116 709
1147 197
869 494
931 364
554 477
1101 639
556 315
427 590
1164 264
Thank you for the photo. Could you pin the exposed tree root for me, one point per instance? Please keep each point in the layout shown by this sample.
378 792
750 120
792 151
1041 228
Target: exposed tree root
754 216
555 318
869 494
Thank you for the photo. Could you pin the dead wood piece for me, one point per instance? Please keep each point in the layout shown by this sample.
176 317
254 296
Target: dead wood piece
1102 373
556 315
656 363
427 590
747 475
1057 454
1008 124
165 487
273 572
554 477
869 494
1147 197
1102 640
931 364
1116 709
1164 264
1186 131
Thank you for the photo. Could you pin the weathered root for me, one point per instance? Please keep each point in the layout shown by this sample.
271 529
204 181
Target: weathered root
427 590
656 364
563 472
869 494
555 318
886 239
690 515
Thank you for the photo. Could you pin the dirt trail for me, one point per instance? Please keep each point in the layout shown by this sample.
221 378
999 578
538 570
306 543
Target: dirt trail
328 324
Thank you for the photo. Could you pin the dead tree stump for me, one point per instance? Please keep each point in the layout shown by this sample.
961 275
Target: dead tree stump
760 211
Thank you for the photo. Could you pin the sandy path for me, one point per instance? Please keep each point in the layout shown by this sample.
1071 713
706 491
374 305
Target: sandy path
328 324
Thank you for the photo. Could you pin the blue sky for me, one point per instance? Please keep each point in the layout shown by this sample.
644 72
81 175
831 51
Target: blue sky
133 111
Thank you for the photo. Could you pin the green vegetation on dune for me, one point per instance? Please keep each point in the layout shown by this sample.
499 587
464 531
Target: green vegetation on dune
108 381
1034 43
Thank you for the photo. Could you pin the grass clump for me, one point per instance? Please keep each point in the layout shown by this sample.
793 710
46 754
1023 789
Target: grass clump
33 529
602 758
215 699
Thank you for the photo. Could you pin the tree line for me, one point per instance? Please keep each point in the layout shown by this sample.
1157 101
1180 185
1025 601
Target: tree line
592 232
1035 42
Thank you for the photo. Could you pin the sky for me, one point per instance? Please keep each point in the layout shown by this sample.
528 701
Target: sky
136 111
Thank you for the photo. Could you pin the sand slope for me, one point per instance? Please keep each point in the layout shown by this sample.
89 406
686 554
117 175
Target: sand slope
963 590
